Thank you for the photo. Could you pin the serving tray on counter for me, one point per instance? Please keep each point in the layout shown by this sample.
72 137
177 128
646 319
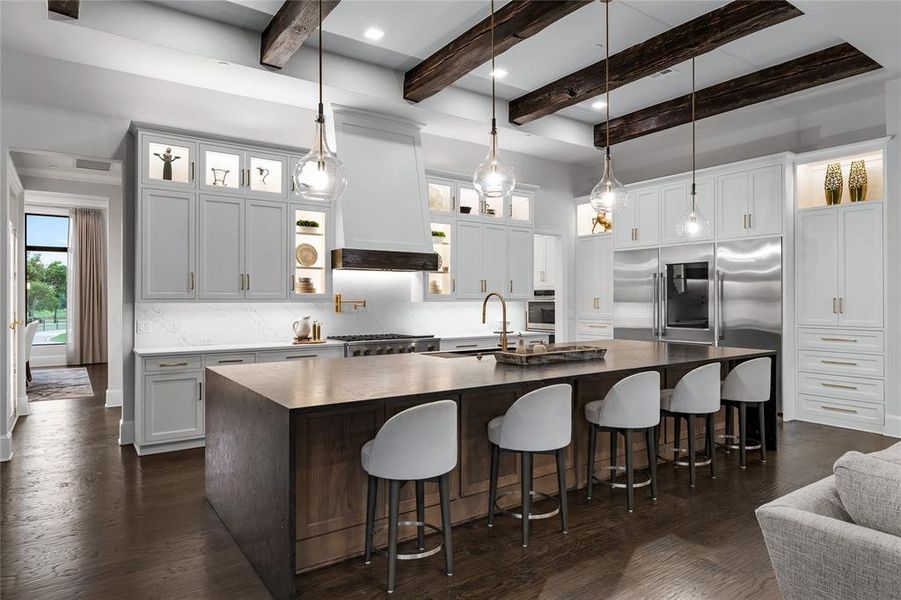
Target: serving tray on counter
554 354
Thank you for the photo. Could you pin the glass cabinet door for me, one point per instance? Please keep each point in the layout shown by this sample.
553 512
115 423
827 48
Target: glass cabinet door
440 282
221 168
310 251
441 196
521 208
468 201
168 162
493 208
265 175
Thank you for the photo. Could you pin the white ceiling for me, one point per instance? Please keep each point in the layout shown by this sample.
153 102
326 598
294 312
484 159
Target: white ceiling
52 165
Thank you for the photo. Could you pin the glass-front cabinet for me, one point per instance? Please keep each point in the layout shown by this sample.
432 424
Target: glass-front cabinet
440 283
442 196
221 169
521 209
169 161
310 258
265 174
245 172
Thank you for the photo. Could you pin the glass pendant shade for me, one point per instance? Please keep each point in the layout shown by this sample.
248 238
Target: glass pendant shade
693 223
608 195
494 178
319 175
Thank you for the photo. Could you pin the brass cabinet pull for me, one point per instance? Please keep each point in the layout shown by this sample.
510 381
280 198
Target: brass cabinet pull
169 363
834 305
292 283
248 281
453 202
598 326
199 391
834 339
750 222
838 385
191 277
296 356
846 363
241 172
467 346
841 304
511 286
454 284
851 411
241 278
192 170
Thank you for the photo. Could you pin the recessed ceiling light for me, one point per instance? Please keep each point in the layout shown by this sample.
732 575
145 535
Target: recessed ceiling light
223 63
599 105
499 73
374 34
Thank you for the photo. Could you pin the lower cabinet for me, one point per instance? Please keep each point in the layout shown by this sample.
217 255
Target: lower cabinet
592 330
173 407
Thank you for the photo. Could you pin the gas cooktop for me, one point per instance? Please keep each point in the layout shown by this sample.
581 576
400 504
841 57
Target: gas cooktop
378 337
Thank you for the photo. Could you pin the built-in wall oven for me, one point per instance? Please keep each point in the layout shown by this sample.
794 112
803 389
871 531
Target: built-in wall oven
540 313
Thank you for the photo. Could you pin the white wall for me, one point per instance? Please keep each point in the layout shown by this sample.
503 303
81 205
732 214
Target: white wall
893 215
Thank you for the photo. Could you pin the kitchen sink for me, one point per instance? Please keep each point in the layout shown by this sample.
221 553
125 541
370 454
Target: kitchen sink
461 353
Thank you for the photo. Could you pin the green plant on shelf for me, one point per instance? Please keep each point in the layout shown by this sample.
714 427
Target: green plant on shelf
439 234
305 223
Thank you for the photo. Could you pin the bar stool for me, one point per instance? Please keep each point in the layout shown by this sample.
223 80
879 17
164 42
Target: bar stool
631 405
539 422
696 395
748 383
418 444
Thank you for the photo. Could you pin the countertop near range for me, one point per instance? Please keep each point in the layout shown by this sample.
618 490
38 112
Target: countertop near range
246 347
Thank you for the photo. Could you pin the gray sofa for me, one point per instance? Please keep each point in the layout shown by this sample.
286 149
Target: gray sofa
840 537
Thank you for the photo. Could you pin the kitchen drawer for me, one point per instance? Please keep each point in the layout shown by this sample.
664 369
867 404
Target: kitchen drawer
234 358
300 353
474 343
165 364
600 329
845 340
841 363
849 388
842 413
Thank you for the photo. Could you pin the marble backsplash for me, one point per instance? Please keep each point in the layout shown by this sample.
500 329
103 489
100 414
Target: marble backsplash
389 308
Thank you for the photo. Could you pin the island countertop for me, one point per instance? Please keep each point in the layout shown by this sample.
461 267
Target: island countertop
328 382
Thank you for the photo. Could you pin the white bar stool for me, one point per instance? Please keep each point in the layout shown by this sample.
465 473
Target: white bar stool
538 422
696 395
748 383
418 444
632 404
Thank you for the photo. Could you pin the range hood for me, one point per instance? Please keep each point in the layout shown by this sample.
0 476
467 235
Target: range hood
382 220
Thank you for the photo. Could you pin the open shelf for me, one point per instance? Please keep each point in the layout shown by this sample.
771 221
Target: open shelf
810 178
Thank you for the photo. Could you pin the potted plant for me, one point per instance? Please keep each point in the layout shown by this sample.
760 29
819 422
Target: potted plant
305 226
438 236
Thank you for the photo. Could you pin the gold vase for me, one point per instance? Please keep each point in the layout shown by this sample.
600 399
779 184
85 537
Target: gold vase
833 184
857 181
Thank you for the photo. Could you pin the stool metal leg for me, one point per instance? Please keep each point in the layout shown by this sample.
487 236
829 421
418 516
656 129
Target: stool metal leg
730 429
561 488
444 492
711 443
613 439
393 510
762 419
742 433
420 514
677 437
526 495
651 440
592 449
492 484
370 515
691 450
630 474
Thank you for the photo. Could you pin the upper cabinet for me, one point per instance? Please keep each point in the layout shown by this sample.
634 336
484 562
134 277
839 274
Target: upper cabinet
521 208
544 263
675 200
594 276
638 224
167 243
167 161
230 170
749 203
450 197
521 254
442 196
309 250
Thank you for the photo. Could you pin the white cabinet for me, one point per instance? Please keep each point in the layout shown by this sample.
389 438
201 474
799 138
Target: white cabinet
594 277
839 253
469 281
749 203
494 258
232 170
544 262
638 224
167 234
167 161
242 248
521 254
675 200
172 407
521 208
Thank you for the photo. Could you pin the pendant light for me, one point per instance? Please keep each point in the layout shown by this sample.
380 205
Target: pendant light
320 175
608 195
693 223
493 178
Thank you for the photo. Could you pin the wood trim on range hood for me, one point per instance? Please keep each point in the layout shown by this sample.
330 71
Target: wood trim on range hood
383 260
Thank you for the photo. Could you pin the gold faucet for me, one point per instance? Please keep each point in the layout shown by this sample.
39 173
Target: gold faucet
503 340
340 302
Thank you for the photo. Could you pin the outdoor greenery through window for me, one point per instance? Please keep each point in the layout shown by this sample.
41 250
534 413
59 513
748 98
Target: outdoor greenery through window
46 260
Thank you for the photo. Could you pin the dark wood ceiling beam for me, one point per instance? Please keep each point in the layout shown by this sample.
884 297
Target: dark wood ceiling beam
818 68
514 22
65 8
693 38
290 28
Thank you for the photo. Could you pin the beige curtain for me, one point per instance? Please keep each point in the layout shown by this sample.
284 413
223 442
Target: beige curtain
87 304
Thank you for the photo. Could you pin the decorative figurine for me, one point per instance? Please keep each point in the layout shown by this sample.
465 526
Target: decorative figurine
833 184
602 220
857 181
264 173
167 159
219 176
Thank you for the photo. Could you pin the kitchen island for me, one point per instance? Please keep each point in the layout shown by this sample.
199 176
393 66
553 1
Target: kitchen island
283 439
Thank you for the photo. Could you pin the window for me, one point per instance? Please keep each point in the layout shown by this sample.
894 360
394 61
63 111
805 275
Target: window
46 266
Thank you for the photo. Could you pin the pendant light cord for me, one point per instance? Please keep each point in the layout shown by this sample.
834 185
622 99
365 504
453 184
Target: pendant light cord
321 118
493 77
693 207
607 69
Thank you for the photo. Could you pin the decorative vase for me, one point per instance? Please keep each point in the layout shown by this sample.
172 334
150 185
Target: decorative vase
310 230
857 181
303 328
833 184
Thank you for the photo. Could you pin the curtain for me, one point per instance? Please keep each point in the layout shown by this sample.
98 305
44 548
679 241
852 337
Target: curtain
86 343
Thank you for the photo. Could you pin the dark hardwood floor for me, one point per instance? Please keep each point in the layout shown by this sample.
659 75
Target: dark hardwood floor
82 517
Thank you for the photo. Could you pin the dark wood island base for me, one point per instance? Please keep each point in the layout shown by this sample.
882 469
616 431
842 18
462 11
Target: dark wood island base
283 440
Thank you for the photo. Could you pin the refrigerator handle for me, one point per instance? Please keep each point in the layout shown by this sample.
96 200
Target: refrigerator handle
721 333
654 304
662 327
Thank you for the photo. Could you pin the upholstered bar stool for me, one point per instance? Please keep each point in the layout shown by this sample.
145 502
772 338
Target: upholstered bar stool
540 422
697 395
418 444
748 383
631 406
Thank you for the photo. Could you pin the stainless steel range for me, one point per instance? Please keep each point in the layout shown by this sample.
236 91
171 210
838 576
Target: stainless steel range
386 343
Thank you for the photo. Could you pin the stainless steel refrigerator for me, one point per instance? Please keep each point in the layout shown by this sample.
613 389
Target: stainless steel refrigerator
728 294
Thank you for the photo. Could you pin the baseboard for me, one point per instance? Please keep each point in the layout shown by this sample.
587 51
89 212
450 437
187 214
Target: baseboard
171 447
126 432
6 448
48 361
113 398
22 407
893 426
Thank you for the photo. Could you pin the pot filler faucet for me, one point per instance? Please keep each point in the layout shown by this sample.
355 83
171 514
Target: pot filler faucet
503 340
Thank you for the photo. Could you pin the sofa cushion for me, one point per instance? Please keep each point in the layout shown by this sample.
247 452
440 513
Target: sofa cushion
891 454
870 489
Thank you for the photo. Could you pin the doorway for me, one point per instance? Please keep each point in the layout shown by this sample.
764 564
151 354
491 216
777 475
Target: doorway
550 280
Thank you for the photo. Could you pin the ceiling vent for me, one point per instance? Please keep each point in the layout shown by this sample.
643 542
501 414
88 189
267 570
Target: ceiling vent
93 165
663 73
